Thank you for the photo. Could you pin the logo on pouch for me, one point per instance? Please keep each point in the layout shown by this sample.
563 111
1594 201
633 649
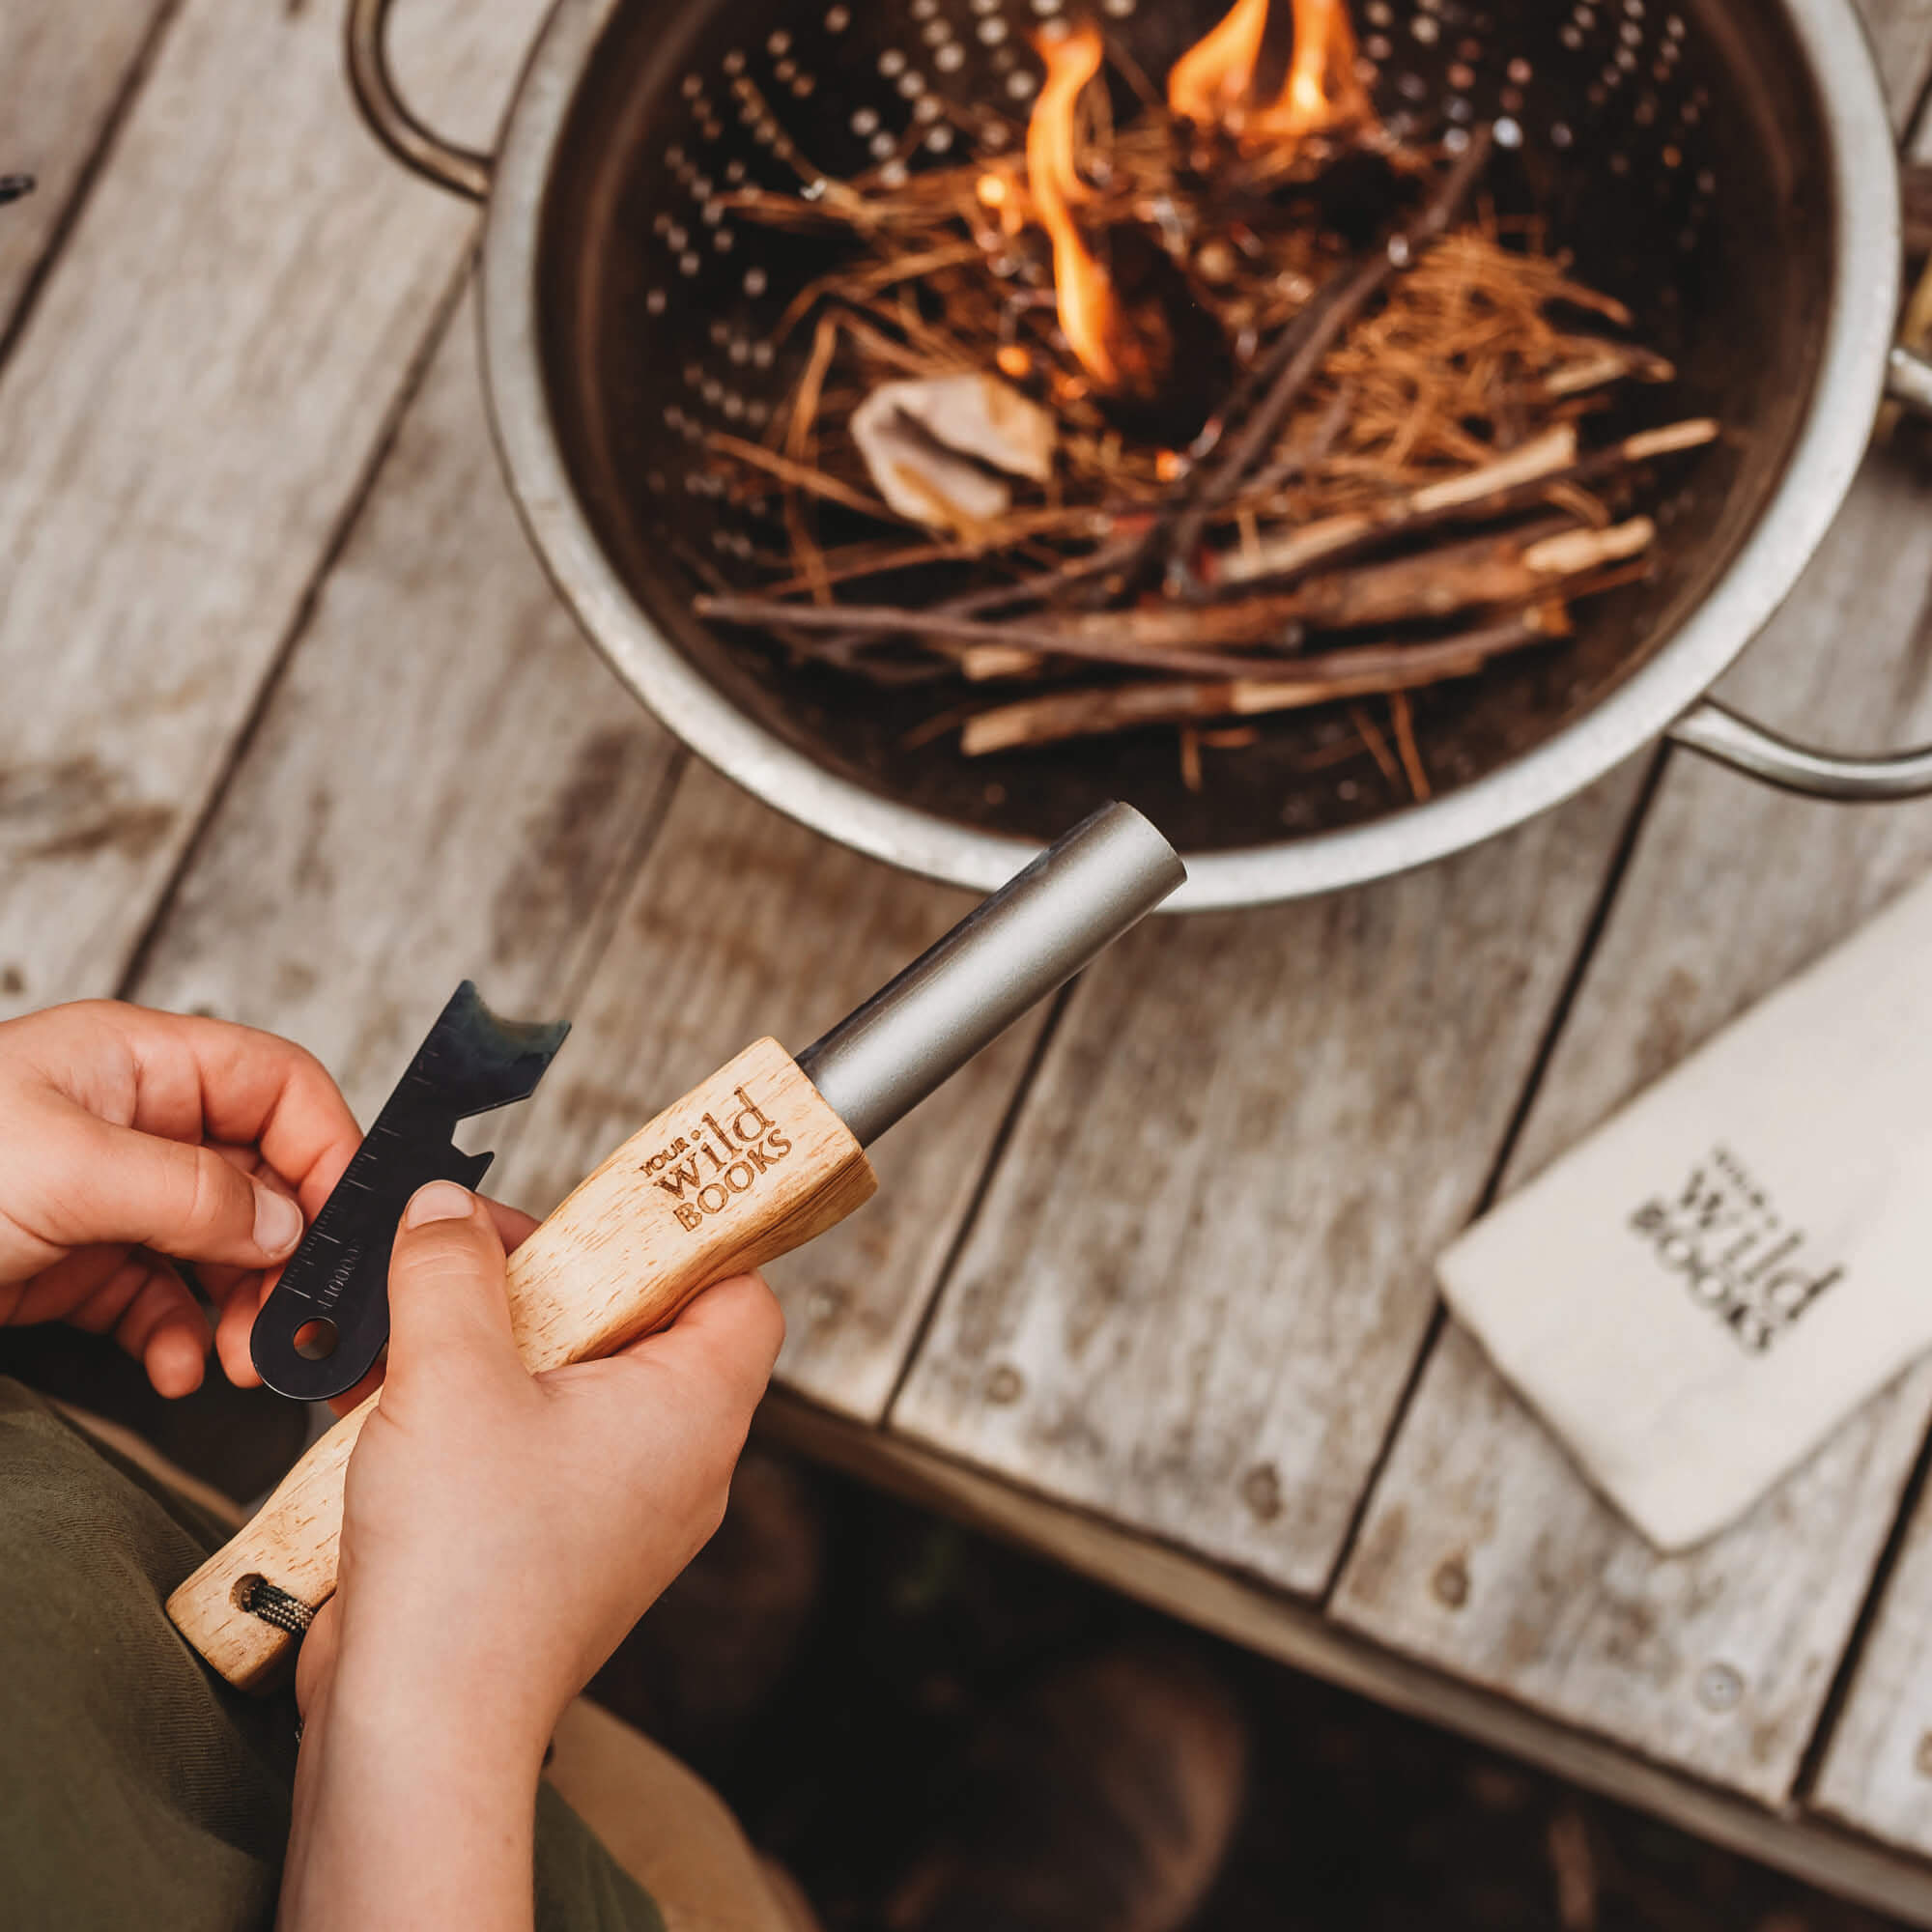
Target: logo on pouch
1738 1256
705 1166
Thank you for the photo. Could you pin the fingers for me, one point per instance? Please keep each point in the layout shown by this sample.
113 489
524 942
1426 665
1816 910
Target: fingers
315 1661
674 1410
165 1332
148 1309
187 1078
114 1184
727 1340
513 1225
241 1297
233 1327
447 1301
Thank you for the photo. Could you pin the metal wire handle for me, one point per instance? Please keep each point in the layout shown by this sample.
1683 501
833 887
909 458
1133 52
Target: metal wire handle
1720 733
461 170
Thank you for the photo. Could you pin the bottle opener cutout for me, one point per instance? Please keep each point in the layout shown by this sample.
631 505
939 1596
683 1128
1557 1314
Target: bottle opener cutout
327 1318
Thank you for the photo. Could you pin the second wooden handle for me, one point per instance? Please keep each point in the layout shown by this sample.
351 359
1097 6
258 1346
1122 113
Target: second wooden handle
745 1167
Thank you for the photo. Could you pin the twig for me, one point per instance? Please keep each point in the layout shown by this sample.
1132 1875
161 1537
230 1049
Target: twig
1041 589
1313 341
1402 718
1304 455
1528 472
870 282
943 627
802 475
1607 363
800 446
1101 710
1190 758
1370 734
1518 566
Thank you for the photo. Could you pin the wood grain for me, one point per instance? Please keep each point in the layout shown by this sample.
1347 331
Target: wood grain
742 922
1484 1552
291 1542
64 72
1901 37
1273 1624
745 1167
1201 1276
1875 1773
208 371
750 1164
446 783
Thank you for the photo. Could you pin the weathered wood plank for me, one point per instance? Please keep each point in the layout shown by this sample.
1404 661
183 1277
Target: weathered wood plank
1268 1622
1484 1552
63 70
742 924
1901 37
1200 1278
204 379
1877 1770
446 782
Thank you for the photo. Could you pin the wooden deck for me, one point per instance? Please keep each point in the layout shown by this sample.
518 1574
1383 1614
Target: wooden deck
294 731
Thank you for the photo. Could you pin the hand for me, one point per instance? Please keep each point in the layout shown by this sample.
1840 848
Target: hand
501 1531
128 1136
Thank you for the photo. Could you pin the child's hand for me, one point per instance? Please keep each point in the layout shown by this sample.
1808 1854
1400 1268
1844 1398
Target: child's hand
128 1136
501 1533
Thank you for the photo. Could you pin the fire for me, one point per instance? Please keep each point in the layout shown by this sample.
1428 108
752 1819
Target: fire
1090 312
1211 81
1211 84
1212 78
1322 89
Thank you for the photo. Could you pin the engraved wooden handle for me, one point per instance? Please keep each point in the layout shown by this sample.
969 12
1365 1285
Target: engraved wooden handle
745 1167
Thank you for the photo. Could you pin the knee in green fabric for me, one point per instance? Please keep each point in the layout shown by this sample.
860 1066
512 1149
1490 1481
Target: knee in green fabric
135 1788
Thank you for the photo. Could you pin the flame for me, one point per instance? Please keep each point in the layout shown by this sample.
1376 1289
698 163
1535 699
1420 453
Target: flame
1090 312
1210 79
1322 89
1210 83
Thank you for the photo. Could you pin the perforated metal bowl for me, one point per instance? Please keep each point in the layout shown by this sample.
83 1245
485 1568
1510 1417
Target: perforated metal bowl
1722 165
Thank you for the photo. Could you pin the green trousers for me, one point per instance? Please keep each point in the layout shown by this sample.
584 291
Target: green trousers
136 1788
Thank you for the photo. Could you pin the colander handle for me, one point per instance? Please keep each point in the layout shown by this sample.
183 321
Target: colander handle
461 170
1719 733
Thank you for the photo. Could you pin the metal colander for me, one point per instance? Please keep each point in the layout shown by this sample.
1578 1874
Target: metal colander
1626 127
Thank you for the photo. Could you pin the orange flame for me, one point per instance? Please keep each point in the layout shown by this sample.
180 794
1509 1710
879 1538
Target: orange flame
1090 312
1212 78
1322 89
1210 83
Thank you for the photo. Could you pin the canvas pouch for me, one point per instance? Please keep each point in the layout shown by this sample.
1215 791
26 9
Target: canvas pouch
1696 1295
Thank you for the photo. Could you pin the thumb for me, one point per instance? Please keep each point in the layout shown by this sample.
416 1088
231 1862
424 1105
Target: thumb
174 1196
447 1299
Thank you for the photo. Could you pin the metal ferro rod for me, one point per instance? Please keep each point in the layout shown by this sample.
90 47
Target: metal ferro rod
1004 956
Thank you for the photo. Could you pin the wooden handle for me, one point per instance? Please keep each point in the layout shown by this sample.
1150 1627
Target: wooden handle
748 1166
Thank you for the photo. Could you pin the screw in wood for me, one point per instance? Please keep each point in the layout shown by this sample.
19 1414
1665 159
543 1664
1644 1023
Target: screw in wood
1719 1688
